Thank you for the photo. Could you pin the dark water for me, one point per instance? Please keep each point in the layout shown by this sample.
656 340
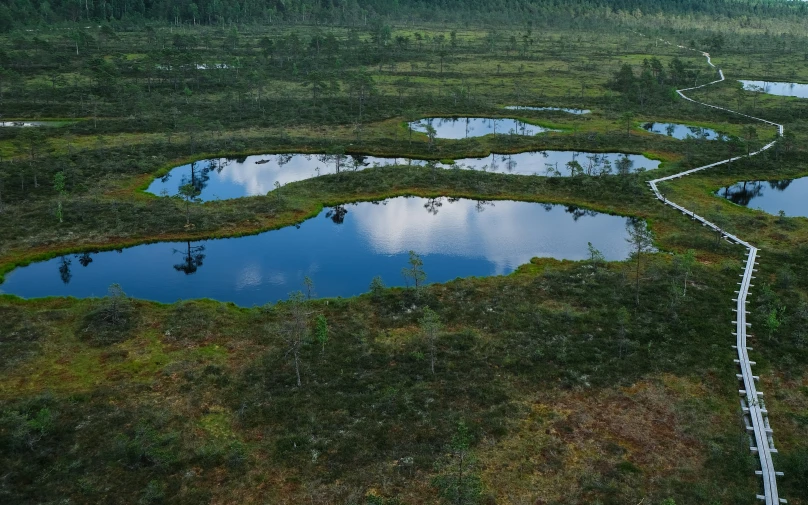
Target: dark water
465 127
682 131
788 195
224 178
559 109
779 88
341 250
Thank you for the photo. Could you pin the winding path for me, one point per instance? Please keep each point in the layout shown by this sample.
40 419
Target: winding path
755 414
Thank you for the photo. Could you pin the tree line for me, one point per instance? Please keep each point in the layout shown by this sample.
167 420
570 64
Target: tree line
655 83
15 13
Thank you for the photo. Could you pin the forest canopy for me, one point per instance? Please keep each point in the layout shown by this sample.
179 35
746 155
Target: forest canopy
18 13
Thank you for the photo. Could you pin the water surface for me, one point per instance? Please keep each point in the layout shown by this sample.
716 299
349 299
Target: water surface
198 66
341 250
224 178
559 163
778 88
559 109
682 131
21 124
788 195
466 127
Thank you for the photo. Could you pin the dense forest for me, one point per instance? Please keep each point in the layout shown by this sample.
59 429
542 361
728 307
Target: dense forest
352 12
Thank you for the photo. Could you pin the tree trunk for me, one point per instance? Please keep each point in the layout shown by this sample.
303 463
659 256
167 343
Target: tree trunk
638 277
297 368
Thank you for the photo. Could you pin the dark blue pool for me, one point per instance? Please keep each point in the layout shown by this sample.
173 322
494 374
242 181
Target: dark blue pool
341 250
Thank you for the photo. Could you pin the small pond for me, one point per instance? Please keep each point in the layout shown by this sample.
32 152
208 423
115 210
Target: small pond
682 131
341 250
557 109
224 178
778 88
559 163
21 124
466 127
788 195
198 66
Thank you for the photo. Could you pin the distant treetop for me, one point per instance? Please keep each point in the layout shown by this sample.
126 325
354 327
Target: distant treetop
18 13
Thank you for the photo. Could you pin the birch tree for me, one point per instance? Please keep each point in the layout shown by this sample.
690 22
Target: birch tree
295 330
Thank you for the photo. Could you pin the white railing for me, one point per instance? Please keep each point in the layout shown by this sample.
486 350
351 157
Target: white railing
754 410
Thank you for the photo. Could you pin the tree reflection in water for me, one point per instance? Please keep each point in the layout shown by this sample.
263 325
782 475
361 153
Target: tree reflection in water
65 273
480 205
337 214
433 204
357 161
577 212
84 258
780 185
744 192
200 176
64 269
191 260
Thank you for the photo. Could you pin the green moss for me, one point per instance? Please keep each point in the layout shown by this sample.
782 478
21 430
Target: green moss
217 425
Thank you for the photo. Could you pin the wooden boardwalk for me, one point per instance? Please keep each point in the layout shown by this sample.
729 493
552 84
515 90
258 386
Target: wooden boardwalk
754 410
